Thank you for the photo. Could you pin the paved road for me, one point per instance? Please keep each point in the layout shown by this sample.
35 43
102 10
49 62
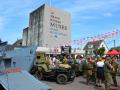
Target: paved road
78 84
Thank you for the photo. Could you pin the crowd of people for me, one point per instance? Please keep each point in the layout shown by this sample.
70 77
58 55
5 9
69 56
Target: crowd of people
101 70
97 70
55 61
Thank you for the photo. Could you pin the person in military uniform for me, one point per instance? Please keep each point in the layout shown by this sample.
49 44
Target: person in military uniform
88 70
65 61
107 73
114 73
84 65
94 70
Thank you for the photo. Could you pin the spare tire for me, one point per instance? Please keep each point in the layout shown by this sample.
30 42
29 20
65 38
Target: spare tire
62 79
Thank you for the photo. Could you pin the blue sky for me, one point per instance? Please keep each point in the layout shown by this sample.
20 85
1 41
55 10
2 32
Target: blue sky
89 17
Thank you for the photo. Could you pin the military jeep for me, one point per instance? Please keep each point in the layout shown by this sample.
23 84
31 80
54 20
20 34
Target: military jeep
61 74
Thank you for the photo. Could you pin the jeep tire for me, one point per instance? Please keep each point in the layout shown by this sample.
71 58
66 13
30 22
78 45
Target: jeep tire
39 75
62 79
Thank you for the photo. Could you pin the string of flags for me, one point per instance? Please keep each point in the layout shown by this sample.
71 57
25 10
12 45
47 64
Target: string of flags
81 41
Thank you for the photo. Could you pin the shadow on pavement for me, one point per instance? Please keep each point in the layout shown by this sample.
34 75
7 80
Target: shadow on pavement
98 88
92 85
83 82
54 81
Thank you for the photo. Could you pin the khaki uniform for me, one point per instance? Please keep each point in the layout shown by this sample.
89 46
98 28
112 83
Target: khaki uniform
107 74
65 61
88 71
114 73
95 72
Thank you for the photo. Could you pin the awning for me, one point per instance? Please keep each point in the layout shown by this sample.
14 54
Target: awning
113 52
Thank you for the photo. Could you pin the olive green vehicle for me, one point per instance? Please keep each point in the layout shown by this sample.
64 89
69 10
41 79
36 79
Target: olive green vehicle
61 74
78 68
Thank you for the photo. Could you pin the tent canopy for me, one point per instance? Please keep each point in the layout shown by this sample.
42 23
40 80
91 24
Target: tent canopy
113 52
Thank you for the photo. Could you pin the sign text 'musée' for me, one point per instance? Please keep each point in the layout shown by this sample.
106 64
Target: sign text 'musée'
58 26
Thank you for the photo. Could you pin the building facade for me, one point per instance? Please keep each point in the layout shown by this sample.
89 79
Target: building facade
91 47
25 36
48 27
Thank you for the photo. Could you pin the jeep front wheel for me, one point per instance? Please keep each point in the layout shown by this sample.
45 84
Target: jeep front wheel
62 79
39 75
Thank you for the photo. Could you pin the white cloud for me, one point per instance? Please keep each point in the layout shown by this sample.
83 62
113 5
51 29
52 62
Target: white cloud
88 17
93 7
108 14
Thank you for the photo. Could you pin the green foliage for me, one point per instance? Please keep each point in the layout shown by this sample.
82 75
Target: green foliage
100 51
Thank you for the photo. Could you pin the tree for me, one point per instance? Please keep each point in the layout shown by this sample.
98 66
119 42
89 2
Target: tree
100 51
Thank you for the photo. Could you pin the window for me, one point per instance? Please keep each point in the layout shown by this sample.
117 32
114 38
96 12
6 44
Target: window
90 46
14 64
7 63
90 51
102 46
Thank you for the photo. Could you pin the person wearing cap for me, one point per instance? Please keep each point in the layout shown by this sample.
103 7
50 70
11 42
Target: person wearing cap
114 73
107 73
